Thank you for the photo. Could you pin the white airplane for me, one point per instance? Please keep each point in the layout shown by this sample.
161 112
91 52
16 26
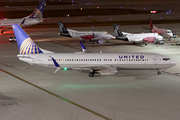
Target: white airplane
93 36
136 38
33 19
102 63
163 32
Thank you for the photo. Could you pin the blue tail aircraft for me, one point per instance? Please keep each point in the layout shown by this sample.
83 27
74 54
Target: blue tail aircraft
96 63
33 19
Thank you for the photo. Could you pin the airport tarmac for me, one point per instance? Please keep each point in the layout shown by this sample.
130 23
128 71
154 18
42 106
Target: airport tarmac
31 92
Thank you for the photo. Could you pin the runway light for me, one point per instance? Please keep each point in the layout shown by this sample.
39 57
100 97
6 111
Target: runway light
81 8
97 6
65 68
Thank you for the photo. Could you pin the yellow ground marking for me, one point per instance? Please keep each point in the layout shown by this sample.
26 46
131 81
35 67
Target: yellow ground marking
78 105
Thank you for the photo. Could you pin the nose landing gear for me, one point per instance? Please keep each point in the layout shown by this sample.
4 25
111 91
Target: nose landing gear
159 72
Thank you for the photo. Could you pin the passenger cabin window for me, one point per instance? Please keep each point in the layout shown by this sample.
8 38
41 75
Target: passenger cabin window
166 59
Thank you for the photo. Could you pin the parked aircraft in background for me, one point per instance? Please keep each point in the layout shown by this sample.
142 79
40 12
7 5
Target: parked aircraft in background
136 38
163 32
102 63
94 36
33 19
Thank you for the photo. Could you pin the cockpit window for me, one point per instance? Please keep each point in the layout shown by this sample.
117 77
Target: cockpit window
166 59
168 31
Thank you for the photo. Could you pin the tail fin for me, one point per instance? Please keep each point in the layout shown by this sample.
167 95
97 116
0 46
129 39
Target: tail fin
117 31
63 30
38 12
24 42
119 35
151 24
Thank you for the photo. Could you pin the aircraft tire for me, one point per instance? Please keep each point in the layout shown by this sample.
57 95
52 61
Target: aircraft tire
91 74
159 73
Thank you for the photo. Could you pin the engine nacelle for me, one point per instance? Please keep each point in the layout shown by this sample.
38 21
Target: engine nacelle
108 71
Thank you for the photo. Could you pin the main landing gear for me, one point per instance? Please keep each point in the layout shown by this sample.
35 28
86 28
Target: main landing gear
159 72
91 73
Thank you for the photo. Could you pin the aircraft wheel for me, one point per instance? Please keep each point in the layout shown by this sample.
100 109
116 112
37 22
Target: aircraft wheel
2 31
83 41
134 43
159 73
107 41
145 43
91 74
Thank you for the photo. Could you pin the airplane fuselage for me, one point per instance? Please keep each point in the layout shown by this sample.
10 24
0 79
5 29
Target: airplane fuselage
162 32
96 34
8 23
142 36
98 60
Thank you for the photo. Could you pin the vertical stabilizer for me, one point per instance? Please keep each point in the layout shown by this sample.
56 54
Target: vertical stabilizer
119 35
63 30
38 12
117 31
151 24
24 42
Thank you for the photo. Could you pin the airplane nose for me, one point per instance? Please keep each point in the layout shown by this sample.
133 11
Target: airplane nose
173 62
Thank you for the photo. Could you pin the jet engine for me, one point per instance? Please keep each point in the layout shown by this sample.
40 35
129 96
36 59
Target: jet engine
108 71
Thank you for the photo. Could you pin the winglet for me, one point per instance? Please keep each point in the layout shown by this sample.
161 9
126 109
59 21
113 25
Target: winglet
58 67
55 63
83 47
